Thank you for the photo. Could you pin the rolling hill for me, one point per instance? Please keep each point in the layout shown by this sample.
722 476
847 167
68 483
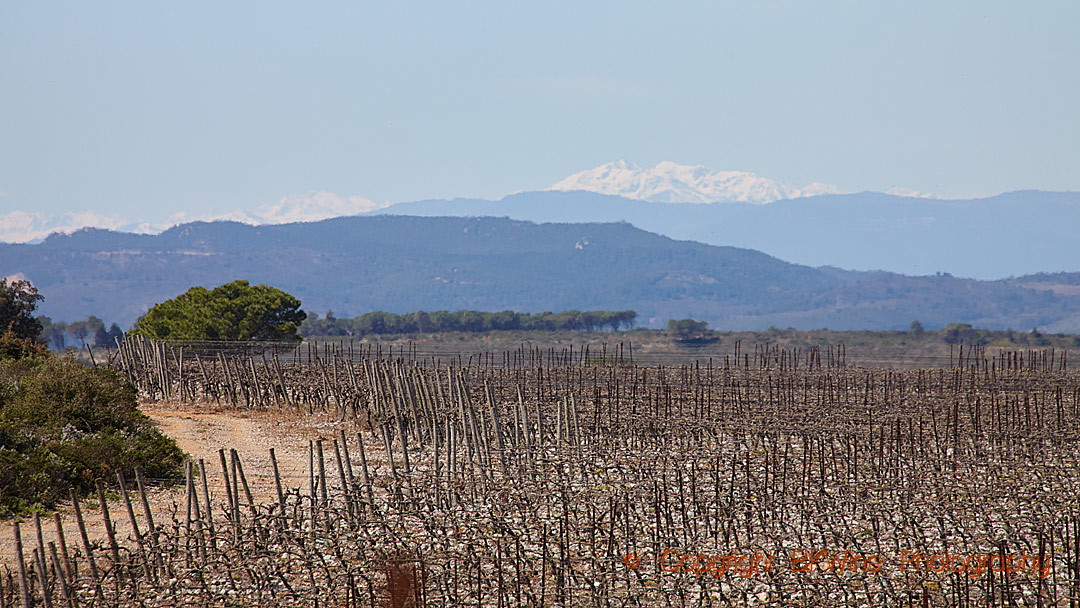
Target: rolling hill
399 263
1012 234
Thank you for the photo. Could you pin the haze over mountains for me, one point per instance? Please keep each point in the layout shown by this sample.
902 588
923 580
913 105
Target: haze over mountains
670 182
667 182
33 226
401 264
816 248
997 237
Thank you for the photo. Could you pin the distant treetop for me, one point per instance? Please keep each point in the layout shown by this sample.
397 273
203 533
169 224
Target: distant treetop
467 321
687 327
234 311
18 299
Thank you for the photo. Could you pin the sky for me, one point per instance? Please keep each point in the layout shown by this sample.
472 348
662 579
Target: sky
118 113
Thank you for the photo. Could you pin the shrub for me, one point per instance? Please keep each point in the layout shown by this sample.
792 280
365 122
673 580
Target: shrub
687 328
63 425
14 347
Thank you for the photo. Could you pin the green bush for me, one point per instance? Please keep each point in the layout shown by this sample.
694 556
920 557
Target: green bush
63 425
12 347
687 327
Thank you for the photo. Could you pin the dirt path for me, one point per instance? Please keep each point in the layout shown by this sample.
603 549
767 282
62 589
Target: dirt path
201 431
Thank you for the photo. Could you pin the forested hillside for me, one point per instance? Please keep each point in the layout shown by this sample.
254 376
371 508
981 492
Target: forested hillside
404 264
988 238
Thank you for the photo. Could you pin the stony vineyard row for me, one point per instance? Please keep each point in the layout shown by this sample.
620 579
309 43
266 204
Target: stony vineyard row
566 479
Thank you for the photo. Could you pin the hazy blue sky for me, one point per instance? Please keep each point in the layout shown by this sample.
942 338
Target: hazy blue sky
146 109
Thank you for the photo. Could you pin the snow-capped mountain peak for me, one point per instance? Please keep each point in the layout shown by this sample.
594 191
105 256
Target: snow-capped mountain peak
25 227
670 182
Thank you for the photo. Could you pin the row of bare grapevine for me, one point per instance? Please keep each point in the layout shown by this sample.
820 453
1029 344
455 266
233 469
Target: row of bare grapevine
585 481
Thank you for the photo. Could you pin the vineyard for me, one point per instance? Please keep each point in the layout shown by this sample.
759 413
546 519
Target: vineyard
576 477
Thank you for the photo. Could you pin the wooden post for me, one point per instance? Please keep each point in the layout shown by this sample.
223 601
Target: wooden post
143 554
68 566
364 469
86 545
24 586
323 495
43 578
203 474
114 549
63 578
277 481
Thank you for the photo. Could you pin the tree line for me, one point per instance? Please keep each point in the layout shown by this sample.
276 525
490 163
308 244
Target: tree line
91 331
466 321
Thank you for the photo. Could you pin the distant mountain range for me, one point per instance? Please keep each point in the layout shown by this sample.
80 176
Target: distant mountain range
670 182
667 182
1008 235
991 238
398 263
34 226
1021 244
